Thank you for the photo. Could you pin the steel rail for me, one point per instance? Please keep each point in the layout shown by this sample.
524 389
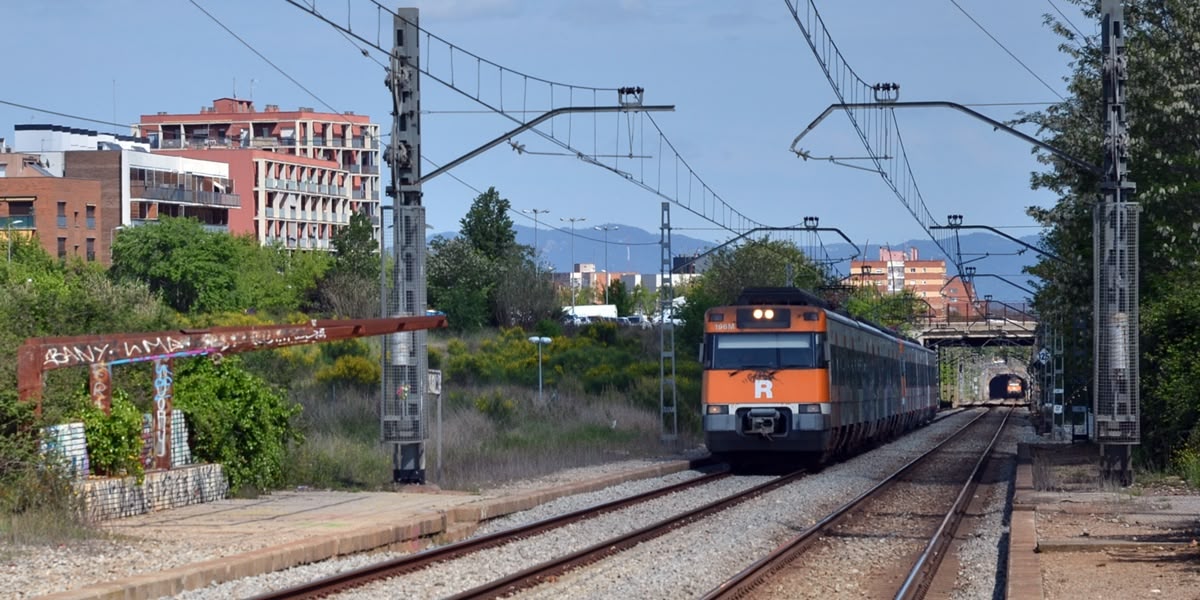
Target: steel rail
741 584
923 571
538 573
407 564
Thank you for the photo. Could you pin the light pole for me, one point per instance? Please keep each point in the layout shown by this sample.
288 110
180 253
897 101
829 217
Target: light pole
607 273
539 341
535 212
571 274
9 227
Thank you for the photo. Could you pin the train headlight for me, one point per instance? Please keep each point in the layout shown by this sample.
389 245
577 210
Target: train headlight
768 314
717 409
810 408
758 313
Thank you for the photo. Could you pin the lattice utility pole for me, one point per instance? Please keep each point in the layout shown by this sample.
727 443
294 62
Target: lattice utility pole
402 408
667 392
1116 377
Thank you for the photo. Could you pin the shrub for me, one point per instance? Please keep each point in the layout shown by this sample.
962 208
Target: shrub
496 406
237 420
351 370
114 440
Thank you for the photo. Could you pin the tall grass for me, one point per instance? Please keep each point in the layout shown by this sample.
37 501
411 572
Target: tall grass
486 447
39 506
490 435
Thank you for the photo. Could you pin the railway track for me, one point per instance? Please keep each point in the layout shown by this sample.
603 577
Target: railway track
504 571
529 577
896 512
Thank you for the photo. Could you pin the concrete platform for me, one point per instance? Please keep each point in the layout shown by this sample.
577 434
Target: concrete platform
1024 569
320 525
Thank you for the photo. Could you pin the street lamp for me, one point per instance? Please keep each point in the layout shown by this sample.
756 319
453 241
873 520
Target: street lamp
11 222
607 273
535 212
539 341
571 274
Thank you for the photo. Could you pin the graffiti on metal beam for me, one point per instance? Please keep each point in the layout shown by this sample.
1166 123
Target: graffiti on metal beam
168 346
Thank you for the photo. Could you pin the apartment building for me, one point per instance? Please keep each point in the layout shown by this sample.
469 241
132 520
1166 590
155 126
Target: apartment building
300 174
30 195
136 187
898 270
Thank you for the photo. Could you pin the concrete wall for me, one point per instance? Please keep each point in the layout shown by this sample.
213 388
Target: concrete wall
115 498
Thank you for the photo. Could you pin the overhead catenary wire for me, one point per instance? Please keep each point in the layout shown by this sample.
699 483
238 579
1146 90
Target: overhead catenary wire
1005 49
62 114
437 53
264 58
1069 22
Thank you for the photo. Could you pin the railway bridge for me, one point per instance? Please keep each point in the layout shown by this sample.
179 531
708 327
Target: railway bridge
981 355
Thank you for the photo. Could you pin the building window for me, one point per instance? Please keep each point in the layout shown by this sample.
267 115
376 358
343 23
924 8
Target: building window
62 246
3 170
91 249
62 215
91 217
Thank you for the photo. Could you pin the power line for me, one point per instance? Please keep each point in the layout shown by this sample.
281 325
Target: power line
265 59
1065 18
1003 47
62 114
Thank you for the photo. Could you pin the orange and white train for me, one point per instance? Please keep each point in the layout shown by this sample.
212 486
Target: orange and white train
785 375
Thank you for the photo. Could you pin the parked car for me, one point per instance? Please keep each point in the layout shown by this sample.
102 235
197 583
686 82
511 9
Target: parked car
639 321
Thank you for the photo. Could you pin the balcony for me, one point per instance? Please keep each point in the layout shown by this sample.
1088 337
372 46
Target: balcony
182 196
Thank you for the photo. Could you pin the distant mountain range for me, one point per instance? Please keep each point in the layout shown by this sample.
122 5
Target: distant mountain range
631 249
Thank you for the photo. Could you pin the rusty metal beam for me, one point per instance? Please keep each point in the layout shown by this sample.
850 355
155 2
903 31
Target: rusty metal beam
38 355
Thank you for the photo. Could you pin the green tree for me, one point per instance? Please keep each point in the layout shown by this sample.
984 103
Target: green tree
460 281
193 269
523 295
619 296
756 263
1163 47
900 311
357 250
488 228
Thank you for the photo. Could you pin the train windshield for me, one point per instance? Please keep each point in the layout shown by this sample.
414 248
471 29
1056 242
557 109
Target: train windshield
763 351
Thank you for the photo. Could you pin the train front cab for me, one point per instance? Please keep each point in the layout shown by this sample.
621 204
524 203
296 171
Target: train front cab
765 382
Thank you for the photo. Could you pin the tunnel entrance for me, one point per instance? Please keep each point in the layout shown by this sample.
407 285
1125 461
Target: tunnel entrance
1007 386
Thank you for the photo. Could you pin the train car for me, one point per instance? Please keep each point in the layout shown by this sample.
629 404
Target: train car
783 374
1016 388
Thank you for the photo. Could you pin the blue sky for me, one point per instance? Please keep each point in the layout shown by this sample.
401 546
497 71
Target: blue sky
740 74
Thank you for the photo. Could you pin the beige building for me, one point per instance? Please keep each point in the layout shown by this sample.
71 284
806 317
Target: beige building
898 270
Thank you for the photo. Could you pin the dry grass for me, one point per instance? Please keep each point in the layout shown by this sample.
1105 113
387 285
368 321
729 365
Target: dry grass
569 431
491 435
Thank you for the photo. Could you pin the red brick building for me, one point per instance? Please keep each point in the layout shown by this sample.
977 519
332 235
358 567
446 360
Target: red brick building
64 214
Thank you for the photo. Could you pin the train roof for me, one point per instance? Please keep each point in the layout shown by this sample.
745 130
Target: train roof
790 296
793 296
